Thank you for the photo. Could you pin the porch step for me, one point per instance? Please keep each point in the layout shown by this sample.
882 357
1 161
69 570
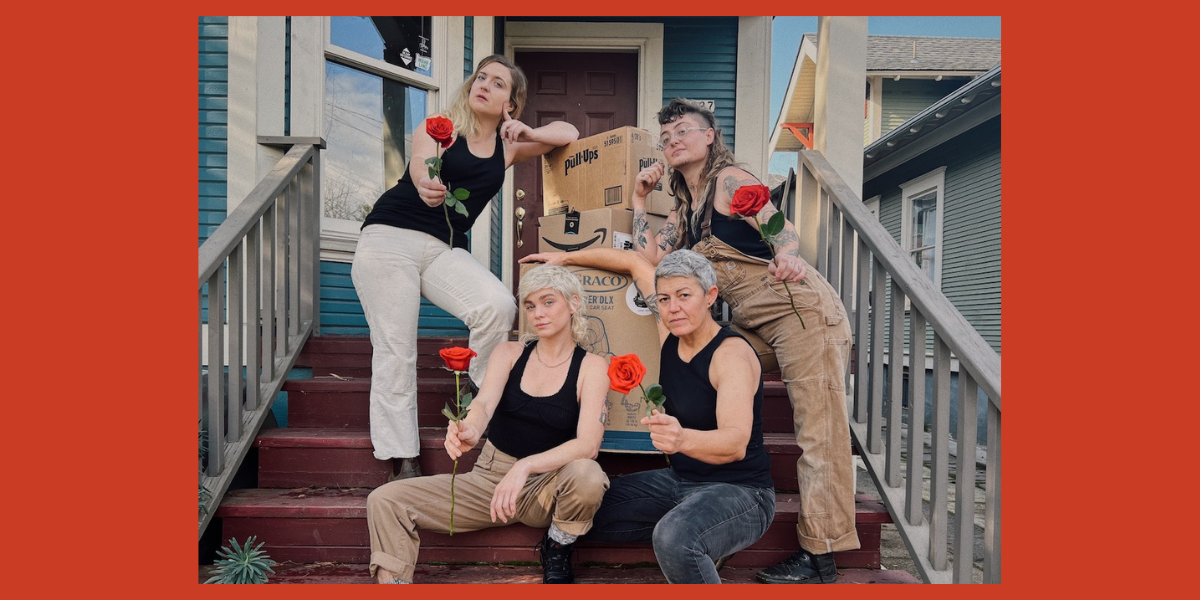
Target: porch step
338 573
300 457
329 525
344 400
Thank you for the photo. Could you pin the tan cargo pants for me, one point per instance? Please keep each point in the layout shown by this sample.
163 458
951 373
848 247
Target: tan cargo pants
813 364
567 497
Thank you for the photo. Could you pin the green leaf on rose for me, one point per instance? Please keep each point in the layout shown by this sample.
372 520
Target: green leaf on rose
449 413
450 201
774 225
466 400
461 193
462 210
433 173
654 394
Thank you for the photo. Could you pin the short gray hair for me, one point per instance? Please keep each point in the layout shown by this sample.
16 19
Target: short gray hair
686 263
563 281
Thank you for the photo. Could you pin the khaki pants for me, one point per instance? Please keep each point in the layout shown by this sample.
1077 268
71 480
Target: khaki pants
566 497
813 364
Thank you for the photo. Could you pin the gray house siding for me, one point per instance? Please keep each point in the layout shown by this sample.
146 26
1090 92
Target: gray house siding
905 98
971 232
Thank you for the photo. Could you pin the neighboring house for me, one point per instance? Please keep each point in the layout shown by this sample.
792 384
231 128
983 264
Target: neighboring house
932 161
931 166
363 83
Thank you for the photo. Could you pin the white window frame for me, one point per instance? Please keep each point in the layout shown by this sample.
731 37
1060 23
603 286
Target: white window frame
339 237
933 181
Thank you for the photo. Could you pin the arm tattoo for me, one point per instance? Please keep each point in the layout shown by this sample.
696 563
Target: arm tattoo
732 183
787 241
640 229
668 236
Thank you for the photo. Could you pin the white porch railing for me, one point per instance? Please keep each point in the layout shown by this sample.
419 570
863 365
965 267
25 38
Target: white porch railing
261 268
896 462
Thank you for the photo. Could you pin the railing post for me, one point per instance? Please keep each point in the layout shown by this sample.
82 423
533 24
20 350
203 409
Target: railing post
895 384
314 237
964 482
282 207
216 343
939 449
991 514
862 336
254 378
295 232
234 309
268 295
808 215
916 415
875 297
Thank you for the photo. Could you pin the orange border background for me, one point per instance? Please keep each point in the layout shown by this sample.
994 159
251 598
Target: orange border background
101 375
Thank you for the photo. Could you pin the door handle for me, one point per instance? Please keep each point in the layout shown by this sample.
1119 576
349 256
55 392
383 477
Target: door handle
520 195
520 214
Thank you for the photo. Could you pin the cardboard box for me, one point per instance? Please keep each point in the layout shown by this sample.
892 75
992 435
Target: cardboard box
599 172
619 324
603 228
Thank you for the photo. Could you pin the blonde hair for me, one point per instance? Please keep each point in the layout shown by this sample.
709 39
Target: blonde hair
563 281
459 111
719 157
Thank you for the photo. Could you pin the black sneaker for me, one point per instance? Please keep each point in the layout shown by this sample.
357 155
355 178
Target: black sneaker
802 567
556 561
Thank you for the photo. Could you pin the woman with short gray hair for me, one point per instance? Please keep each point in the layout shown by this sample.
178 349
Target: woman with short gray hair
717 496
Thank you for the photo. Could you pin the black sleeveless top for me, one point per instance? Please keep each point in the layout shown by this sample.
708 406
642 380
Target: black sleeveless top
692 399
735 232
524 425
402 206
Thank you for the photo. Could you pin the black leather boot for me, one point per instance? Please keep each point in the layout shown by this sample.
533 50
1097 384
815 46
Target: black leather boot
556 561
802 567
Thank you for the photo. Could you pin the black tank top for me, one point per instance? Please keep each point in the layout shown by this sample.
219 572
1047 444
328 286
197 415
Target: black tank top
402 206
525 425
692 399
735 232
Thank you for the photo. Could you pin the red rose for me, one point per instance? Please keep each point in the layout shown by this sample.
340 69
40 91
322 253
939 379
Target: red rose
457 359
749 199
440 129
625 373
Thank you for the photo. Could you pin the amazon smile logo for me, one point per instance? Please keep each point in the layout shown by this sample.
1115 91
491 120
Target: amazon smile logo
603 231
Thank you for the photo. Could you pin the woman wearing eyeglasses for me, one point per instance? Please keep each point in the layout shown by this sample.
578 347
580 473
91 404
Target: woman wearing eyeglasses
703 175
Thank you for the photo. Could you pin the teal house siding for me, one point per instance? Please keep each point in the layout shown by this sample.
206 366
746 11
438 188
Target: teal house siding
213 122
971 246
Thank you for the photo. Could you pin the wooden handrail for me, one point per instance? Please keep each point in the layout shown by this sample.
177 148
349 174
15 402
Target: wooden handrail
262 269
837 227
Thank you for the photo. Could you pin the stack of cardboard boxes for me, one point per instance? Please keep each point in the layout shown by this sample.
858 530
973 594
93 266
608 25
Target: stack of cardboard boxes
585 195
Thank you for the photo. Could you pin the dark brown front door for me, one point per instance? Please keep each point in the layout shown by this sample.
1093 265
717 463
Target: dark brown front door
595 92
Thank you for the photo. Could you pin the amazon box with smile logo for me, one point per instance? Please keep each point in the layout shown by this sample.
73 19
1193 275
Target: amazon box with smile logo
619 322
603 228
599 172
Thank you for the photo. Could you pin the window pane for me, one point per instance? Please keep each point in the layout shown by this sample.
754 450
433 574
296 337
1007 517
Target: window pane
925 259
400 41
924 225
369 122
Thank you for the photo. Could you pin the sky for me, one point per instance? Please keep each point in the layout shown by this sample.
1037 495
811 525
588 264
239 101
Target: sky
785 43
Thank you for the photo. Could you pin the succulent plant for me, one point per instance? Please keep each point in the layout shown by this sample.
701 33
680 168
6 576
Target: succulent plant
242 564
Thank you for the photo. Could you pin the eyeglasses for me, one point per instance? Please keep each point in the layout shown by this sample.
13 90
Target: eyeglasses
665 140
